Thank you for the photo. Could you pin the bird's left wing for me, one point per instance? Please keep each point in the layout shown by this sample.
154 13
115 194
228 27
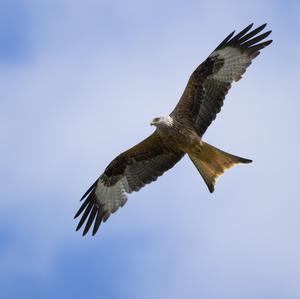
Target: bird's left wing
208 85
128 172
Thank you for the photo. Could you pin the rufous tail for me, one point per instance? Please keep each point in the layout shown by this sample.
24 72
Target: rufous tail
212 162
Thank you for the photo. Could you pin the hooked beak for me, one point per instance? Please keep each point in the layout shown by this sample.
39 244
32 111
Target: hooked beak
152 123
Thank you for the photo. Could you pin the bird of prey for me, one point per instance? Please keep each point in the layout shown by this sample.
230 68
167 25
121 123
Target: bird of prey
179 133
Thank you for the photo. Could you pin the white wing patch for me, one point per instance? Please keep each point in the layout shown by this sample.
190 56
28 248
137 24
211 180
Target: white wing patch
137 175
111 197
235 64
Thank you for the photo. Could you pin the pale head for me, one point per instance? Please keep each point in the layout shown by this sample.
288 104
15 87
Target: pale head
162 122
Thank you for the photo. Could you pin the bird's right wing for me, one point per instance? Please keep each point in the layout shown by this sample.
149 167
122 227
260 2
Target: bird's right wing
128 172
208 85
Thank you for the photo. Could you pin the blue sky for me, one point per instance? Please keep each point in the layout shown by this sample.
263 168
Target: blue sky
80 82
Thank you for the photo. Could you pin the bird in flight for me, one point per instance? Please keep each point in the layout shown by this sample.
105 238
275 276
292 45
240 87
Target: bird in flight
179 133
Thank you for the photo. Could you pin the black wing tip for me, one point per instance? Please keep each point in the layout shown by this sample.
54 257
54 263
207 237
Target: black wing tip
231 34
78 226
93 218
246 40
95 229
89 194
262 27
91 212
268 42
248 27
77 214
89 190
96 218
84 232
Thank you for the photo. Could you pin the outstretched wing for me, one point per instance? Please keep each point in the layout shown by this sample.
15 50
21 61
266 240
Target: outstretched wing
208 85
128 172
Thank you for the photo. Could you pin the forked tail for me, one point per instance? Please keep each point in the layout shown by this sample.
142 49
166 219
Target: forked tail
212 162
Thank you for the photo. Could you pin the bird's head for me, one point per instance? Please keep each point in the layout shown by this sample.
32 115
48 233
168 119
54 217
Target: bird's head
162 121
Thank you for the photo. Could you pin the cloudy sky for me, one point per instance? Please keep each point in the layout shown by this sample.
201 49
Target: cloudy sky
79 83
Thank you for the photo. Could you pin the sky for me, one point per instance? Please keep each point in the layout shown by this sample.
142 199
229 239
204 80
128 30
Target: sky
80 82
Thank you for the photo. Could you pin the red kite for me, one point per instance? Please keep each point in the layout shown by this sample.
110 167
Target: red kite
179 133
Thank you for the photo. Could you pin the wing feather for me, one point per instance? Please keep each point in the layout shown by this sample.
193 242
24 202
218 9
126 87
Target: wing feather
128 172
98 221
208 85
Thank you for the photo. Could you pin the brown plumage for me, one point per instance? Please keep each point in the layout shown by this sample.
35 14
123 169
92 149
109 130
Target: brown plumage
179 133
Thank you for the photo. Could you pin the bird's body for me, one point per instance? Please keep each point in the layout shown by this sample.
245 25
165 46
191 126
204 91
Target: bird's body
179 133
